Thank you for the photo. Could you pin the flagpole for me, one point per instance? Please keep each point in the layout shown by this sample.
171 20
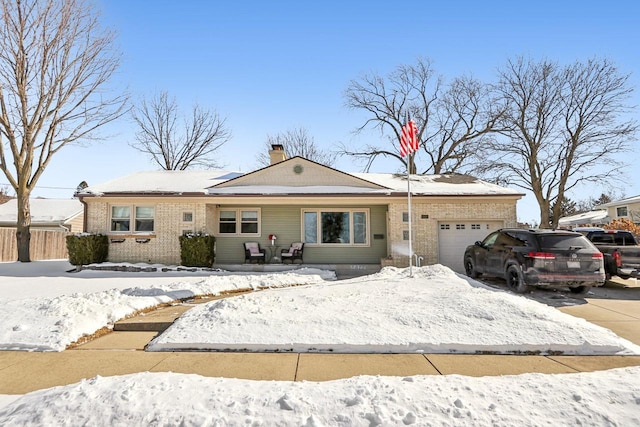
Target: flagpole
409 158
409 145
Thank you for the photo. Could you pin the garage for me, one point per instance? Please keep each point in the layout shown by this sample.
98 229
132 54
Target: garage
455 236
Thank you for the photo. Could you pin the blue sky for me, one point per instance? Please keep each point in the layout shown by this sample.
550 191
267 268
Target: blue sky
270 66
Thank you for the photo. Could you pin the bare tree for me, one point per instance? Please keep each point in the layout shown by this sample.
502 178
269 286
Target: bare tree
561 123
55 63
297 142
173 147
4 194
451 120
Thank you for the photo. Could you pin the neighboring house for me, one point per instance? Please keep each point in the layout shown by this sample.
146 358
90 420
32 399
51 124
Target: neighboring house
46 214
343 218
628 208
585 219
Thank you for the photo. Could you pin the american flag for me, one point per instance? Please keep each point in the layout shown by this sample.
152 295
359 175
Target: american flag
409 139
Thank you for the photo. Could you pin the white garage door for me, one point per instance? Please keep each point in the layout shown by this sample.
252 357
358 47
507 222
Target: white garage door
455 236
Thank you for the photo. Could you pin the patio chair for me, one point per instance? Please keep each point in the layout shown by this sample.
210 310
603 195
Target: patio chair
292 253
253 252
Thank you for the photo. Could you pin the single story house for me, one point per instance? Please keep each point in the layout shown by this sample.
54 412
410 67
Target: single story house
342 218
628 208
46 214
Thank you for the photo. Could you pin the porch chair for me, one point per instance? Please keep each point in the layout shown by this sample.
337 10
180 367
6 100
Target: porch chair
292 253
253 252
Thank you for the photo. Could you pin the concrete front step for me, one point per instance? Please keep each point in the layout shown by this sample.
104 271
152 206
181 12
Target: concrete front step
159 319
154 321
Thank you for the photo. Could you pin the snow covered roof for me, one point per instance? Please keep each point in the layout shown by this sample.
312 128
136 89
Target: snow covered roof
161 182
269 182
592 217
428 185
432 185
43 211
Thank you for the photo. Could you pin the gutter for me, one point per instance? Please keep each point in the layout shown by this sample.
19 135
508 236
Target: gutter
84 214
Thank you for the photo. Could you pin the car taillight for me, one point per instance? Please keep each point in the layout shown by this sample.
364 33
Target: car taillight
541 255
617 258
597 256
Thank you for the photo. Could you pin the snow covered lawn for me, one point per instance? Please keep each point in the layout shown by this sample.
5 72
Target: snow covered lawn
44 308
435 311
589 399
73 305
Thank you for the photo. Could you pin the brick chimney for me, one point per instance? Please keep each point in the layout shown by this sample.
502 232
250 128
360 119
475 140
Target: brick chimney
277 154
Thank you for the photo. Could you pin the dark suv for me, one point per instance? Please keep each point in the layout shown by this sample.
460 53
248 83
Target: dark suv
543 258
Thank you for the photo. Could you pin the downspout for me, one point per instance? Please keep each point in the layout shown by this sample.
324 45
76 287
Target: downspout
84 216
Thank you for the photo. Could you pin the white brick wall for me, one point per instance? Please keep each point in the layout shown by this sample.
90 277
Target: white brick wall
163 246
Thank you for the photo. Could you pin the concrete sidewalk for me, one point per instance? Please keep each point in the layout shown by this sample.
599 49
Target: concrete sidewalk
122 352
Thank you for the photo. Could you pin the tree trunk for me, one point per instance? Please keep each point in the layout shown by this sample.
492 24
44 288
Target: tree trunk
23 233
544 214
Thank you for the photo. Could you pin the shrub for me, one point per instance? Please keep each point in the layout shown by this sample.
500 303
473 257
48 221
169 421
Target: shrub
623 224
197 250
87 248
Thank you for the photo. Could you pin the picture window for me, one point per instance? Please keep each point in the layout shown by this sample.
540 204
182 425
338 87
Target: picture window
344 227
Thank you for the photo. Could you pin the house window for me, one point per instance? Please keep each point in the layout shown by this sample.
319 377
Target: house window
187 216
143 218
405 216
120 218
239 221
405 234
622 211
346 227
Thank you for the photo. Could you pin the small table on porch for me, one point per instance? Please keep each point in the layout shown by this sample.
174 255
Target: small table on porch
274 251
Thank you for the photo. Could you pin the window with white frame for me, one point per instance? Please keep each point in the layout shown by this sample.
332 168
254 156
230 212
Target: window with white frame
239 221
622 211
142 218
336 226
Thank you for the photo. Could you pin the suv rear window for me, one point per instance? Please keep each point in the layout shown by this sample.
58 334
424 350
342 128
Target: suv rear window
617 239
562 241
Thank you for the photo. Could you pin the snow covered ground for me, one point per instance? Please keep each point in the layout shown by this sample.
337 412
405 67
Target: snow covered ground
44 308
435 311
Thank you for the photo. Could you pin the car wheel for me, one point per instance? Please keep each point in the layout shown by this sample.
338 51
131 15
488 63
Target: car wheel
470 268
515 279
580 290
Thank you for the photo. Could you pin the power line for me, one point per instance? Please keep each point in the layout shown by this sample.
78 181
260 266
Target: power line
47 188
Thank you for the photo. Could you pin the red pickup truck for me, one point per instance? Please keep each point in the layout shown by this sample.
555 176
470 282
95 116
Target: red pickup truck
621 252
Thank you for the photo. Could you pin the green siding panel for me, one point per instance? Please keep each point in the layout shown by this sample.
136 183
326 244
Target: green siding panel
285 222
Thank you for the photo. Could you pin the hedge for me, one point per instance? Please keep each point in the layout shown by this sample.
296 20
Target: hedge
197 250
87 248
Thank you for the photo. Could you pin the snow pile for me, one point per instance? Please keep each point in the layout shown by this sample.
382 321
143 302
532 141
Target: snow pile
435 311
588 399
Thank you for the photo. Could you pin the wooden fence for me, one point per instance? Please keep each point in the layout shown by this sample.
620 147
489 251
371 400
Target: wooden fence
45 244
